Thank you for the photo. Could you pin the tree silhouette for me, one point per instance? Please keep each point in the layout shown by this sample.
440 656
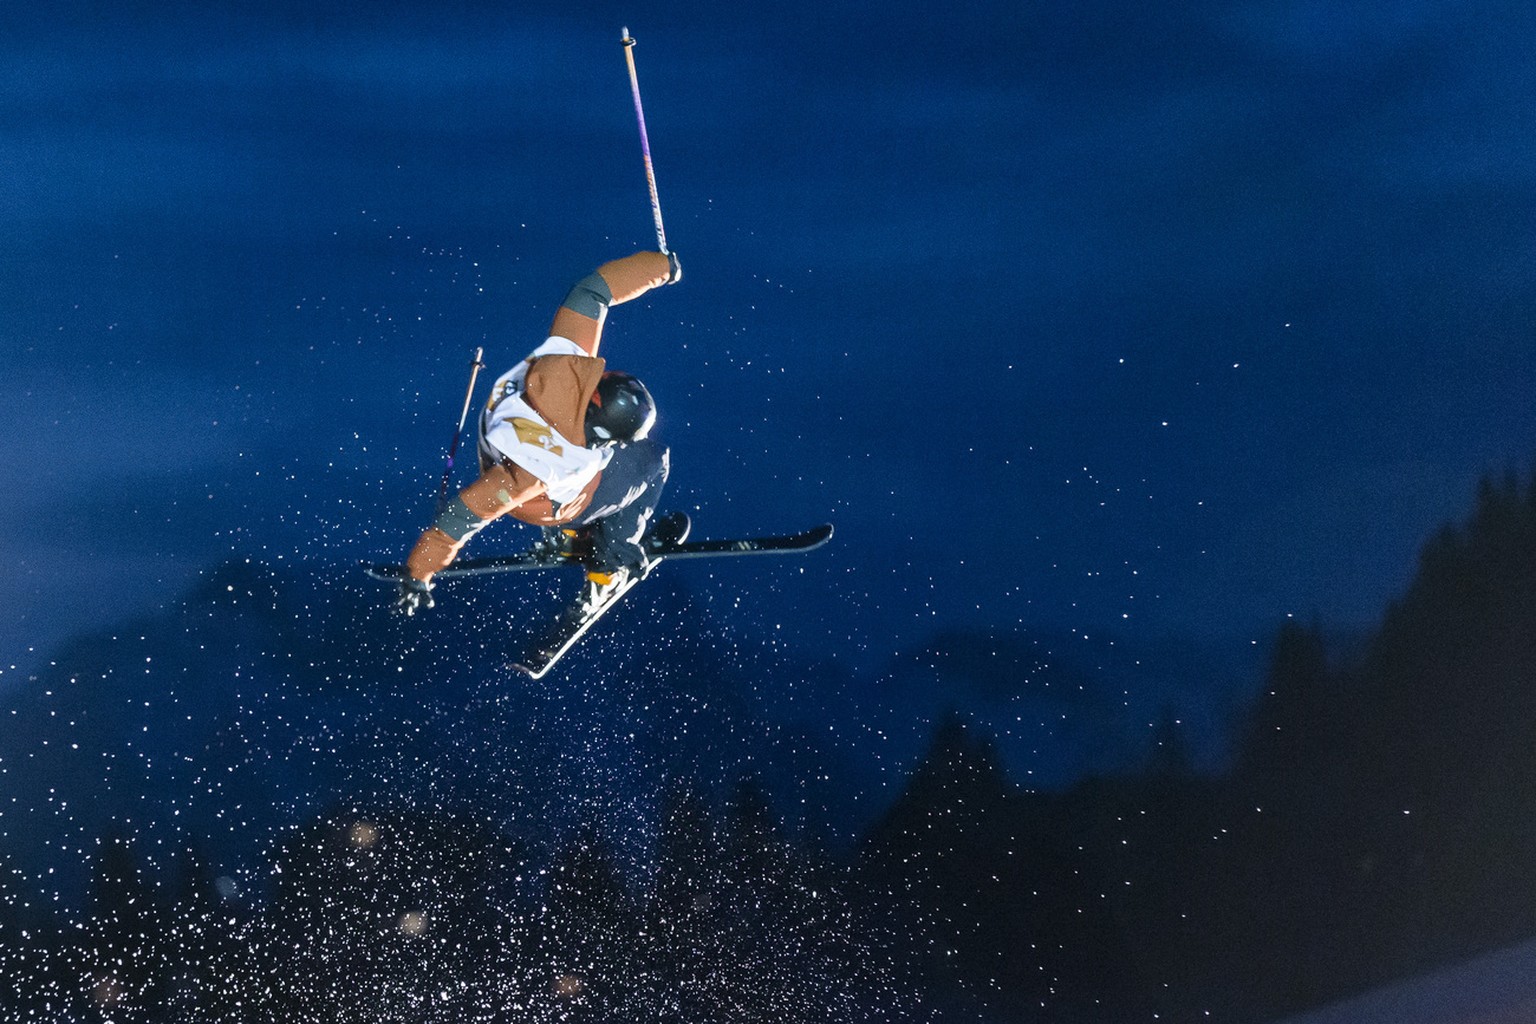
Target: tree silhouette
1289 726
123 957
1380 818
592 932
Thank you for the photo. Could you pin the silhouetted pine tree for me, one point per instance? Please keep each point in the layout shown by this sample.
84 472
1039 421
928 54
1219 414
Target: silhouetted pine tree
684 917
124 952
592 933
1392 835
742 926
1002 909
405 913
1287 731
41 980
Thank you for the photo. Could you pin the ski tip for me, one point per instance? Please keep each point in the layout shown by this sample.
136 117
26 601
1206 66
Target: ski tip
388 573
816 536
530 671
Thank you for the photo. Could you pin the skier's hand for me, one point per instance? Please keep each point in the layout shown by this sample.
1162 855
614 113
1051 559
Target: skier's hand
675 271
414 595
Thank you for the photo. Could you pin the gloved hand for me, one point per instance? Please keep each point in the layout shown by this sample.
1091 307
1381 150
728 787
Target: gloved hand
676 273
414 595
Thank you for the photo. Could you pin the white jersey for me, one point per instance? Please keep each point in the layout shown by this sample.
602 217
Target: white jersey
513 430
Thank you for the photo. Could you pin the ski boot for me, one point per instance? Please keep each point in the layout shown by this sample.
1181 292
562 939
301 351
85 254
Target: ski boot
666 531
558 544
602 585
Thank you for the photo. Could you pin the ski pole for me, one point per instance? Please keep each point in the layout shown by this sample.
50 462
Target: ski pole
475 367
645 143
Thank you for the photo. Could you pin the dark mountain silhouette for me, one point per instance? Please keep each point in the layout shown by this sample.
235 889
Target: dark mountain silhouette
1060 705
1373 824
266 694
271 781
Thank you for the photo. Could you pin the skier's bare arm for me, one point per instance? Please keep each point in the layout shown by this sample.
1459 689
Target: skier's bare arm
580 317
506 487
497 492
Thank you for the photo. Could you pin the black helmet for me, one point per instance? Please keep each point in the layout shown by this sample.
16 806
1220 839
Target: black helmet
621 410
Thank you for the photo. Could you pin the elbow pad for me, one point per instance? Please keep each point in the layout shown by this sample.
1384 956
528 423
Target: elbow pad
590 296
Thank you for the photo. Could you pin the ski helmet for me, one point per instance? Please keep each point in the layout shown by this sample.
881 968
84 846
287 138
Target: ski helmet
621 409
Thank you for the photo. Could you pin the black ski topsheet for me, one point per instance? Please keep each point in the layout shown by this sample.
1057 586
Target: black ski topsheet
789 544
566 631
564 634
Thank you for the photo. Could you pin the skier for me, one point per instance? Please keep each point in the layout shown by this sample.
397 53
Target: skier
564 444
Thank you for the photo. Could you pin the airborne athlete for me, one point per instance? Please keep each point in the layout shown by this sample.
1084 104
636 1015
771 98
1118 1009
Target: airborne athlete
564 442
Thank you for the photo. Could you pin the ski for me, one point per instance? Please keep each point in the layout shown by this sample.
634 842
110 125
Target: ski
567 630
668 531
789 544
571 627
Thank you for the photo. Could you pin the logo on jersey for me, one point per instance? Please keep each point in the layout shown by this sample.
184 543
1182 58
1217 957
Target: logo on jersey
537 434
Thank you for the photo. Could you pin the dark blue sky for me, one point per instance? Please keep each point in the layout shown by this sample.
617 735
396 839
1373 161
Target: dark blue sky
1170 320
